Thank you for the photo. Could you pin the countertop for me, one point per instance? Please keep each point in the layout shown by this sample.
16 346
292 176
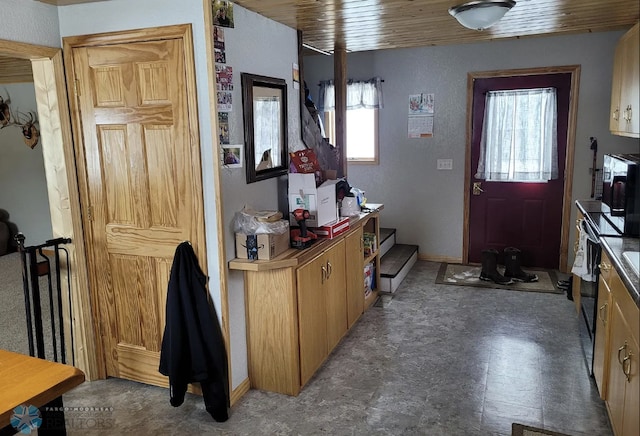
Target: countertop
614 247
294 257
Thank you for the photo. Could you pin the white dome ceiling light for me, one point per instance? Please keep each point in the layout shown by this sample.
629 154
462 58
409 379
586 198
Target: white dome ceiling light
481 14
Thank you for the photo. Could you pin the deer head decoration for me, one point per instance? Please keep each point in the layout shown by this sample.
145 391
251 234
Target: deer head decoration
27 122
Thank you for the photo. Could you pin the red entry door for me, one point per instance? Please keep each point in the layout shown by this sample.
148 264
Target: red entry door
527 216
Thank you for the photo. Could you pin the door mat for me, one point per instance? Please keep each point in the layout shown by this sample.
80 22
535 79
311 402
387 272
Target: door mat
469 275
524 430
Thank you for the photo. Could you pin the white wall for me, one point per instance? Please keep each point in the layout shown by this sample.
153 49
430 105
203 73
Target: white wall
256 45
424 204
32 22
116 15
261 46
23 185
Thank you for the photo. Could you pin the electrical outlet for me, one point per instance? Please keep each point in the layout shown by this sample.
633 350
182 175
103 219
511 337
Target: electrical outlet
445 164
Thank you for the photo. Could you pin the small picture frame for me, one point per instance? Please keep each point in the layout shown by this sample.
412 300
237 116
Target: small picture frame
222 13
232 156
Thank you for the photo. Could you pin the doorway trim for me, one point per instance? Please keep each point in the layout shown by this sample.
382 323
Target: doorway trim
570 150
62 188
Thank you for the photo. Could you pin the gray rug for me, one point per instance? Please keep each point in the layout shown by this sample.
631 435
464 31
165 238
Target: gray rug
469 275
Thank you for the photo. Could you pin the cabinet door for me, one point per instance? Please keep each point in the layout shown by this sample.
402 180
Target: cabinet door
601 347
336 295
615 120
617 381
312 317
355 280
630 96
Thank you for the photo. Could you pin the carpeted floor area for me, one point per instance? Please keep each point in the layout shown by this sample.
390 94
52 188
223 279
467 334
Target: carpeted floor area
13 323
469 275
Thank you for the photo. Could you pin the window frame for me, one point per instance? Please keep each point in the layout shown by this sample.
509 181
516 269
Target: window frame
330 129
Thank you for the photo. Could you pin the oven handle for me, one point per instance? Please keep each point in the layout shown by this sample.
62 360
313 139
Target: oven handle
591 235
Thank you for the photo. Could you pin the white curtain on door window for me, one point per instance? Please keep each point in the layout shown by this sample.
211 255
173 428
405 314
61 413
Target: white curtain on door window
519 136
360 95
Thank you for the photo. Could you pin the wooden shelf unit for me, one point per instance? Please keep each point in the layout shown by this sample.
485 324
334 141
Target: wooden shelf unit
300 304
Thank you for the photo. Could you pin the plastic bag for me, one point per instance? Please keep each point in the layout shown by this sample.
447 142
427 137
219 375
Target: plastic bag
251 222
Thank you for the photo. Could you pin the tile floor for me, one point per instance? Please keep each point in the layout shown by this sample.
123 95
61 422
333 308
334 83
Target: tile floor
439 360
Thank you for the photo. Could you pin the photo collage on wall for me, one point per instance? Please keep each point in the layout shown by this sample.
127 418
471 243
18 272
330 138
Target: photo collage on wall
222 11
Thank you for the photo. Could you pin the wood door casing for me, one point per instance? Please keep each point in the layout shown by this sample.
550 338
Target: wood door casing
569 164
143 192
527 216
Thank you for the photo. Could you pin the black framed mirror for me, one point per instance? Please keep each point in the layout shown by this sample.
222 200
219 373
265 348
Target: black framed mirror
264 100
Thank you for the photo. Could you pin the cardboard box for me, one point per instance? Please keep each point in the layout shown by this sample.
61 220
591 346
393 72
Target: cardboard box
320 201
332 229
267 245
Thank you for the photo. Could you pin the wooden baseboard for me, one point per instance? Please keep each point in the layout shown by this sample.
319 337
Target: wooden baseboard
238 392
435 258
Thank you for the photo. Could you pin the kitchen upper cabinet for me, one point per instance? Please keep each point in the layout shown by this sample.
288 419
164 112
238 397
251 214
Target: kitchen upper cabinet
625 91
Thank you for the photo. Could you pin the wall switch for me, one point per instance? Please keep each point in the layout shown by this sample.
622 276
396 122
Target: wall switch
445 164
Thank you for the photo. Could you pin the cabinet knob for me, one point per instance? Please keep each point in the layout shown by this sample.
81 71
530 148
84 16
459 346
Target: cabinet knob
329 269
324 273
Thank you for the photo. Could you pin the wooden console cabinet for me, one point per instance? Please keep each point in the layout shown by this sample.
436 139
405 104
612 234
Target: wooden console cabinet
300 305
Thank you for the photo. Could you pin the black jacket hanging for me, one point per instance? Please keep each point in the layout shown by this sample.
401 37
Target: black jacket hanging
193 347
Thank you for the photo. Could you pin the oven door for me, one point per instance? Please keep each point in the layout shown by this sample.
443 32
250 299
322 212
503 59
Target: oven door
589 295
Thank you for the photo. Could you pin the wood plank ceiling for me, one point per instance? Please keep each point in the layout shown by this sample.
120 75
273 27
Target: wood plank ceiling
360 25
385 24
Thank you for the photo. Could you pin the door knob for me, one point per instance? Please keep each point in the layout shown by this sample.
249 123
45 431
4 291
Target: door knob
477 188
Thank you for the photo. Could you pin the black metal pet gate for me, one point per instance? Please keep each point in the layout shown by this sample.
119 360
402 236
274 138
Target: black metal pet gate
37 264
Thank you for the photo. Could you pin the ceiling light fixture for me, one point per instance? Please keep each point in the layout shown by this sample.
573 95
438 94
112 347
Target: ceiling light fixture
481 14
317 50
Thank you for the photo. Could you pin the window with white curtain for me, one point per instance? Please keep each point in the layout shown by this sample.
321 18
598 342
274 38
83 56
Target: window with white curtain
519 136
364 98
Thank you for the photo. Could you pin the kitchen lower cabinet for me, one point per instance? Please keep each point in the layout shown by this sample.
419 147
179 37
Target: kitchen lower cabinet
621 370
300 304
601 343
322 308
354 251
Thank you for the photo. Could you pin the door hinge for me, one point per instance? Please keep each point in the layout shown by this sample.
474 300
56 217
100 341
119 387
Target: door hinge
76 87
90 213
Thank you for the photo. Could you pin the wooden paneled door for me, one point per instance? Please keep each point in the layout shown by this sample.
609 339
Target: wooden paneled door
135 124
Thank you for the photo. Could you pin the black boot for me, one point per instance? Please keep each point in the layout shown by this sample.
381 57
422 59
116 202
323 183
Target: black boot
512 261
490 268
